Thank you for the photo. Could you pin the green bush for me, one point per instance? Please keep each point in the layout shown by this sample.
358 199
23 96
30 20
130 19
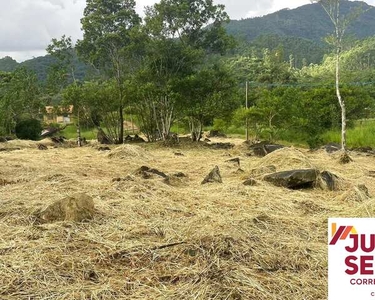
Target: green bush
29 129
2 131
220 125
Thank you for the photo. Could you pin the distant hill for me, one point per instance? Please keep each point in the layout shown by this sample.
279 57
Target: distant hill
40 65
304 51
357 64
8 64
308 22
300 31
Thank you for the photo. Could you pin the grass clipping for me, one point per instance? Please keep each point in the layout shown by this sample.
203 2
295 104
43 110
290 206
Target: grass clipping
286 159
151 240
128 151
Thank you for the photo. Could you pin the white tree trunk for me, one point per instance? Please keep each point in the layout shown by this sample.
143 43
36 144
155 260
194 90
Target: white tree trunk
342 103
339 35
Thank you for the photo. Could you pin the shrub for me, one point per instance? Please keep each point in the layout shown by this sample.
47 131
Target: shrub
314 142
220 125
29 129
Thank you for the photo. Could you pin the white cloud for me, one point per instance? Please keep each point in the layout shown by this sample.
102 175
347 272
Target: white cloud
27 26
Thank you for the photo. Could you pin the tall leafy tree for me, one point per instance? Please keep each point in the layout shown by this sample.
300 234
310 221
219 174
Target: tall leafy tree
64 51
208 94
107 44
196 23
19 97
181 33
98 103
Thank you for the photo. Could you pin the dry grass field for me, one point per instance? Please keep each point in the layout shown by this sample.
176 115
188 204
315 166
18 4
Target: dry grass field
152 239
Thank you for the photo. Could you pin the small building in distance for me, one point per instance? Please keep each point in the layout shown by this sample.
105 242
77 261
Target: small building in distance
58 114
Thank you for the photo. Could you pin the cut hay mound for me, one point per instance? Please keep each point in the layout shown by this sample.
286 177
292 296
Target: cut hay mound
358 193
19 144
76 208
286 159
128 151
47 142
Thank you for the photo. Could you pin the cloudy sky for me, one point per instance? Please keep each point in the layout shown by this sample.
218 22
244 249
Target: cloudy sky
29 25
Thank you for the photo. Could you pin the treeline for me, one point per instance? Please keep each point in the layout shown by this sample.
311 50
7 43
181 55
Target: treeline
178 64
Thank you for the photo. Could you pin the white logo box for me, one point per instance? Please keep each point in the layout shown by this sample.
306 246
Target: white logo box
342 233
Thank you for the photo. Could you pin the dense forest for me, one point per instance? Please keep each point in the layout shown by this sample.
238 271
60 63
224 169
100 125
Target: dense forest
189 64
40 65
308 22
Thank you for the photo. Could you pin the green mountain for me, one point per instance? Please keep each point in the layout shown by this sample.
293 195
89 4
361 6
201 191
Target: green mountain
302 51
8 64
357 64
40 65
298 32
301 31
308 22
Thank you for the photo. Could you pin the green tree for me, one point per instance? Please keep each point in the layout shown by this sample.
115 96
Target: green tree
108 44
64 52
19 98
98 104
208 94
181 33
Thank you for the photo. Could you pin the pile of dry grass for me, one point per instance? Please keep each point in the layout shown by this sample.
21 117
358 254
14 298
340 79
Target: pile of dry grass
128 152
18 144
47 142
78 207
153 240
286 159
358 193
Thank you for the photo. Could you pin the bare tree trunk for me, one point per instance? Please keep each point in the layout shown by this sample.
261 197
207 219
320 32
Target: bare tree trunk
247 107
200 131
196 126
121 117
339 36
79 142
341 101
163 114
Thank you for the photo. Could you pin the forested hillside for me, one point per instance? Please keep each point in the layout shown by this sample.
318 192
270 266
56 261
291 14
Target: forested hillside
298 32
301 51
40 65
308 22
358 64
8 64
